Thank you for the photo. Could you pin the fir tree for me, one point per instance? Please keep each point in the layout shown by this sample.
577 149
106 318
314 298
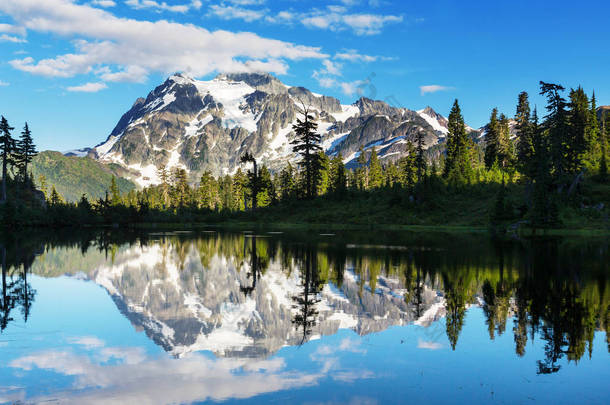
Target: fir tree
492 140
287 183
458 166
338 175
604 137
576 141
505 147
115 194
208 191
375 171
409 167
253 178
55 198
26 150
361 171
555 127
307 145
7 148
593 135
322 174
525 145
420 160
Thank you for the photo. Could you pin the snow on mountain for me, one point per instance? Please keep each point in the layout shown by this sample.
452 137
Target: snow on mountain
77 152
436 121
207 125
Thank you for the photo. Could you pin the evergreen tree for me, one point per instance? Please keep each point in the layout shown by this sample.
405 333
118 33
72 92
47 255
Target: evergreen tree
253 182
592 158
361 171
208 191
375 171
287 183
409 167
458 165
604 137
420 160
576 142
7 148
338 175
165 186
505 146
56 198
492 140
555 127
322 174
181 189
307 145
240 181
26 150
525 137
115 194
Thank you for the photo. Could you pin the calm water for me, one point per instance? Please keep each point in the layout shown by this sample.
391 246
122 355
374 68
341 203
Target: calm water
304 318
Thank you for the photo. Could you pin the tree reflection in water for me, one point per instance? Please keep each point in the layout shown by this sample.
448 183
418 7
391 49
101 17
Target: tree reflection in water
556 290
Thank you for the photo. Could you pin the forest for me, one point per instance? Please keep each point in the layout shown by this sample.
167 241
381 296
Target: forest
536 171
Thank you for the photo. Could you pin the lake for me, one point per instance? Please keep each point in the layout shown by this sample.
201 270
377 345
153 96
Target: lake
302 317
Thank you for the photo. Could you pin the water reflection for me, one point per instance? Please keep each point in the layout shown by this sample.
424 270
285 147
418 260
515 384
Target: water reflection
244 296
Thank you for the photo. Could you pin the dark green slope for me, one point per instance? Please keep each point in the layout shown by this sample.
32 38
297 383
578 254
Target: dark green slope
72 176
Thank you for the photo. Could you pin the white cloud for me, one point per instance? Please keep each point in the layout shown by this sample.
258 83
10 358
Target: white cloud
421 344
115 44
163 6
3 84
134 74
433 88
11 38
227 12
88 87
103 3
337 19
136 378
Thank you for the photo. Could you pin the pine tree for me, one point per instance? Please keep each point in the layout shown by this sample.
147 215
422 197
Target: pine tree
338 175
239 189
492 140
409 167
253 182
555 127
307 145
420 160
7 148
592 158
505 146
287 183
604 137
576 142
115 194
322 174
26 150
458 166
375 171
525 145
361 171
163 175
208 191
55 198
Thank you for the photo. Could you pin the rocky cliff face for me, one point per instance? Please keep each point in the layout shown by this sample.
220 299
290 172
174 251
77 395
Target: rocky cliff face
208 125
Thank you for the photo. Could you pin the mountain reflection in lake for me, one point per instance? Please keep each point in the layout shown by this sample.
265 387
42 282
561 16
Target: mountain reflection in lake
264 317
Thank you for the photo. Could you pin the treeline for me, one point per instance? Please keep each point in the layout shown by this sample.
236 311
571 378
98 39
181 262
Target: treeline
529 169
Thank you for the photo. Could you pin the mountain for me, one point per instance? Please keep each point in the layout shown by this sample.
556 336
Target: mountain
208 125
74 176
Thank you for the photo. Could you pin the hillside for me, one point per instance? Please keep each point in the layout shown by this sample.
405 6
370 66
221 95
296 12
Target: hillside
73 176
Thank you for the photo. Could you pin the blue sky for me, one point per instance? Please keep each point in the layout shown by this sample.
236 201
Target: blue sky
71 68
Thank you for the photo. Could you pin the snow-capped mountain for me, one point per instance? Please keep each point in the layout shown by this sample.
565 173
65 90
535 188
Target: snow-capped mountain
208 125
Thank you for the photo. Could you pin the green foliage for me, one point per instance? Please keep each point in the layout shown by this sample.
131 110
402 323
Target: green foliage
72 176
458 163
